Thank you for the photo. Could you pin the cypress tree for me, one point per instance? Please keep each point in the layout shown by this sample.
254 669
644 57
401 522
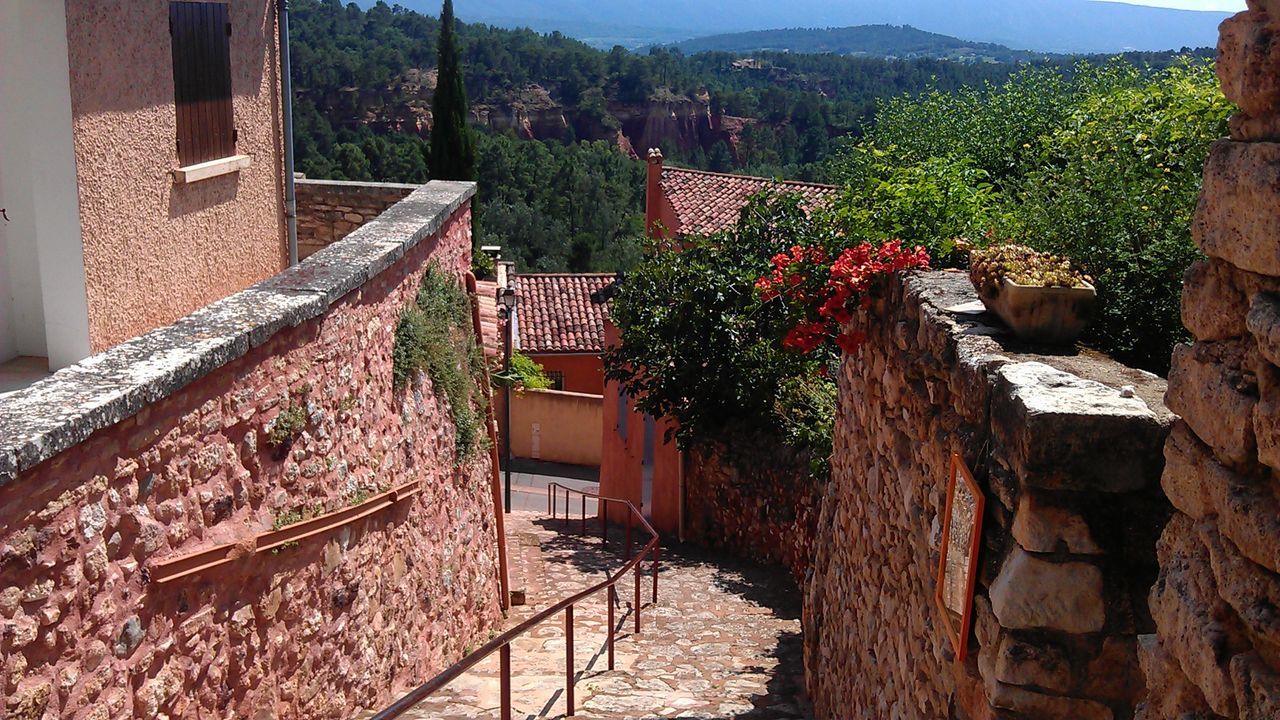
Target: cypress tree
453 148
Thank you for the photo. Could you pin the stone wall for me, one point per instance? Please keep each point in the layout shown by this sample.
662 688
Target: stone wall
159 449
768 513
1216 651
1070 470
329 210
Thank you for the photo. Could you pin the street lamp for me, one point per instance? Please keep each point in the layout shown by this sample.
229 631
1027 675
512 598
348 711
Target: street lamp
507 300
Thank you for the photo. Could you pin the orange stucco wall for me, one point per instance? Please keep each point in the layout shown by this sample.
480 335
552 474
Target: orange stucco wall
582 373
155 250
622 460
554 426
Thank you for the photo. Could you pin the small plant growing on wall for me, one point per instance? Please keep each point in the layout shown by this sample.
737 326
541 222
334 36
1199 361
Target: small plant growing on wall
435 337
526 374
288 425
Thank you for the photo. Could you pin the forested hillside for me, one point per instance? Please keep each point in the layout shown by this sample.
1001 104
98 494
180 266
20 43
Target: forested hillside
573 197
901 41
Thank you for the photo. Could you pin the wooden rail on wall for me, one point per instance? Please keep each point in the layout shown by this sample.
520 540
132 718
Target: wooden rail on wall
197 562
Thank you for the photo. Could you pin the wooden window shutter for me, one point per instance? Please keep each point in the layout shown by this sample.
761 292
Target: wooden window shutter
201 38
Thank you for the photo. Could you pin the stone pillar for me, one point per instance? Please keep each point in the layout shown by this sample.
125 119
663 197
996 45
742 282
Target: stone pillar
1216 604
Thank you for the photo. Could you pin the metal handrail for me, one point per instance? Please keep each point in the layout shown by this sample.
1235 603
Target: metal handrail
502 643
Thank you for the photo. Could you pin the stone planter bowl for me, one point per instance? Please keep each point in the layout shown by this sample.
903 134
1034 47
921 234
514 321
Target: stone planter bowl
1050 315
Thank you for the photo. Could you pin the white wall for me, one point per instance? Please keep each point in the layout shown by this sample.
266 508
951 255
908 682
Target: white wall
42 255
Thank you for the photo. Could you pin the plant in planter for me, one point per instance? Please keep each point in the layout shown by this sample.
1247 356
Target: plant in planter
1041 297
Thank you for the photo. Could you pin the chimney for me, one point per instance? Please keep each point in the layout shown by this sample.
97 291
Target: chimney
653 195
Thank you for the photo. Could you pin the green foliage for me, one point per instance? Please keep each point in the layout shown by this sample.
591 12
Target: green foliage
1115 190
434 336
700 347
289 423
453 150
483 266
526 374
1101 165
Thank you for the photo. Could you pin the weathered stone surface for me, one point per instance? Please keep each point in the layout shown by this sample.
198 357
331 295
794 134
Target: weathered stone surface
1213 387
1244 128
1029 703
261 634
1213 304
1264 324
1249 63
1042 665
1197 628
1170 695
1102 441
1247 509
1043 528
1237 219
1031 593
1250 590
1257 687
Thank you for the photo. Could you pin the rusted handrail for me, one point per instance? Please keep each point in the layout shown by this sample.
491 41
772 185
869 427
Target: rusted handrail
503 642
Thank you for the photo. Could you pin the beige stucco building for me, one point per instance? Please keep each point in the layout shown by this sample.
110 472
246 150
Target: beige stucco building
111 227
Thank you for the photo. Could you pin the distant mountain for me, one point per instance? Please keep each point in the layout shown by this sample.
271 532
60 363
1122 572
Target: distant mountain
898 41
1073 26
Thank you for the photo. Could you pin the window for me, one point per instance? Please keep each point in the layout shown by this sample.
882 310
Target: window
557 379
201 38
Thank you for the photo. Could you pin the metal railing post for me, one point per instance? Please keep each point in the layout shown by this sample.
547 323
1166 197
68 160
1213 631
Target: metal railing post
504 654
602 507
657 552
612 601
584 514
568 657
637 598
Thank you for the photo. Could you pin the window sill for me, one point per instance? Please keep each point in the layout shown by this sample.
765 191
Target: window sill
211 169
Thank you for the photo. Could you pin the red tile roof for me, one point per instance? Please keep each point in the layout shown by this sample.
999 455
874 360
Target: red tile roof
556 315
706 203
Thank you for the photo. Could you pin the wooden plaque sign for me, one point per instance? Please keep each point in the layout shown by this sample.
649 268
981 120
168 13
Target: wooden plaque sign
958 564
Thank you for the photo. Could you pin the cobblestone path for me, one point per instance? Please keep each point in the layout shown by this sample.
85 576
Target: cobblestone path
723 640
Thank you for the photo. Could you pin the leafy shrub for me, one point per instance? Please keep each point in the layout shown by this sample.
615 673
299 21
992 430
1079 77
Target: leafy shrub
699 346
289 423
526 374
483 266
435 336
1101 165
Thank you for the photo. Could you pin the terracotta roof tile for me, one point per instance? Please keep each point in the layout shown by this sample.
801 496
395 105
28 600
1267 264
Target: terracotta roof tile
490 325
556 314
706 203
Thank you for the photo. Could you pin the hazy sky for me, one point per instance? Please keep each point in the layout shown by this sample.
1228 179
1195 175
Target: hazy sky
1228 5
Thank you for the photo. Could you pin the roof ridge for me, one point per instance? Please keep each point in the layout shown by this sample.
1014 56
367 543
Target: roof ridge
736 176
567 274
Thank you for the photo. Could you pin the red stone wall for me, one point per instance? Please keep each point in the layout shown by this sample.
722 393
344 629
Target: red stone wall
768 514
341 621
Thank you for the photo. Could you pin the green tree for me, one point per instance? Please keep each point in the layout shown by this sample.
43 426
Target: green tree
453 146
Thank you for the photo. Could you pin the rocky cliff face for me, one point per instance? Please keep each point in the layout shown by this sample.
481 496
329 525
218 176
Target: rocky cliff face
665 120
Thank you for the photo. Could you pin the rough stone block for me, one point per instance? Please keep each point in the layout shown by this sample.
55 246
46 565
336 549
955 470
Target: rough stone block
1238 219
1257 686
1043 528
1040 664
1249 63
1055 430
1031 593
1247 508
1263 322
1244 128
1252 591
1213 306
1169 693
1213 388
1196 626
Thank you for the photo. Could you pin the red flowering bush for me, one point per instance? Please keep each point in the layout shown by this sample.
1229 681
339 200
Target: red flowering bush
823 295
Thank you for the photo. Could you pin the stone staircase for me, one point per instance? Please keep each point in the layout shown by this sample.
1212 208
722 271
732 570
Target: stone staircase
723 640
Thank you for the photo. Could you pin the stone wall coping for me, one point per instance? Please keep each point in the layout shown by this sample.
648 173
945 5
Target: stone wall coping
982 344
345 186
45 419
